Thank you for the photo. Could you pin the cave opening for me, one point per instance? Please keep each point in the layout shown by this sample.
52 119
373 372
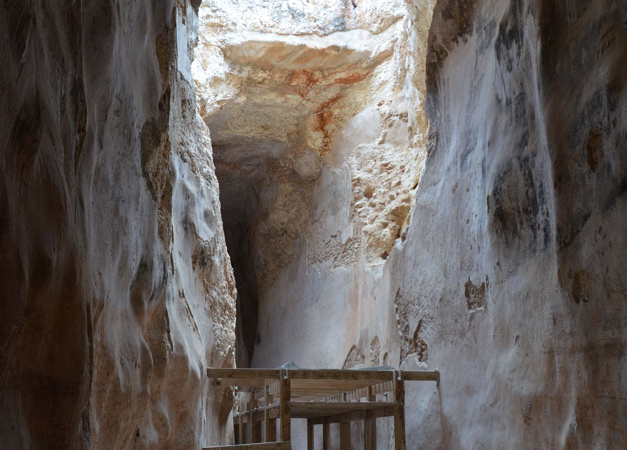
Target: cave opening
245 194
239 205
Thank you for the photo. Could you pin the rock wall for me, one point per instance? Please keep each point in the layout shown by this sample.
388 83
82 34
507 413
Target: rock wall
493 249
117 291
512 272
505 269
319 132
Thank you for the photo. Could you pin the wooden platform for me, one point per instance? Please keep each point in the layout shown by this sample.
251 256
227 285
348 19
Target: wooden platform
322 397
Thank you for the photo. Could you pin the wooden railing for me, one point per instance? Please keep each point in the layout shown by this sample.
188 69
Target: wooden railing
322 396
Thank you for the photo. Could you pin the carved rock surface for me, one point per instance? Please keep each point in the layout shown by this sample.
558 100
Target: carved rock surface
514 261
509 278
116 291
316 117
492 249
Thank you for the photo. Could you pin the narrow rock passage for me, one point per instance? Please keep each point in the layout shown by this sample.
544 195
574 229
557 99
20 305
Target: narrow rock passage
300 109
428 185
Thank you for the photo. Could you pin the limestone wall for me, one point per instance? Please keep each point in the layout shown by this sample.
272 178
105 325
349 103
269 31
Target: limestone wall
319 130
512 275
396 190
117 291
505 269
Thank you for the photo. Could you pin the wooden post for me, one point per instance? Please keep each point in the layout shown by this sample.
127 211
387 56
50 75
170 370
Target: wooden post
285 406
372 397
270 424
370 432
310 435
345 436
370 424
399 411
326 440
255 426
241 430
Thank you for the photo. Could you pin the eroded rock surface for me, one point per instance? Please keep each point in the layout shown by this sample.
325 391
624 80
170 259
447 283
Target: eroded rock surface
493 249
508 278
513 264
117 291
303 97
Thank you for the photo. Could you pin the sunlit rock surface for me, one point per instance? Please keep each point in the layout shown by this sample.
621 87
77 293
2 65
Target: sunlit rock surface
117 291
318 129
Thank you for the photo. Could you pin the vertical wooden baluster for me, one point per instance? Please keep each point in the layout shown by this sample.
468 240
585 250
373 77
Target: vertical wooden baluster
270 424
345 436
310 435
241 422
326 440
399 412
285 406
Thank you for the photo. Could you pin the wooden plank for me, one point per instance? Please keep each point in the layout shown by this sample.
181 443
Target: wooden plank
285 406
324 388
341 374
243 373
259 414
326 438
257 446
322 374
316 382
243 383
336 412
345 436
387 411
416 375
370 432
310 435
399 412
309 410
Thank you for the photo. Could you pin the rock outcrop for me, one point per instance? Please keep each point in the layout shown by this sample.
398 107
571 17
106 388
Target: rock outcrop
117 291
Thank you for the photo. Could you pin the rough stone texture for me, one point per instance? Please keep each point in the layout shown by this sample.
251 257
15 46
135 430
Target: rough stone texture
117 291
509 277
513 268
303 97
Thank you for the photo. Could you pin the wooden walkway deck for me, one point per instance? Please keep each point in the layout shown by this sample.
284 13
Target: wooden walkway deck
322 397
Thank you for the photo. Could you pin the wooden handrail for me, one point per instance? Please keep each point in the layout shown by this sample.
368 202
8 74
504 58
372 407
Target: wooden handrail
258 446
324 374
244 373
